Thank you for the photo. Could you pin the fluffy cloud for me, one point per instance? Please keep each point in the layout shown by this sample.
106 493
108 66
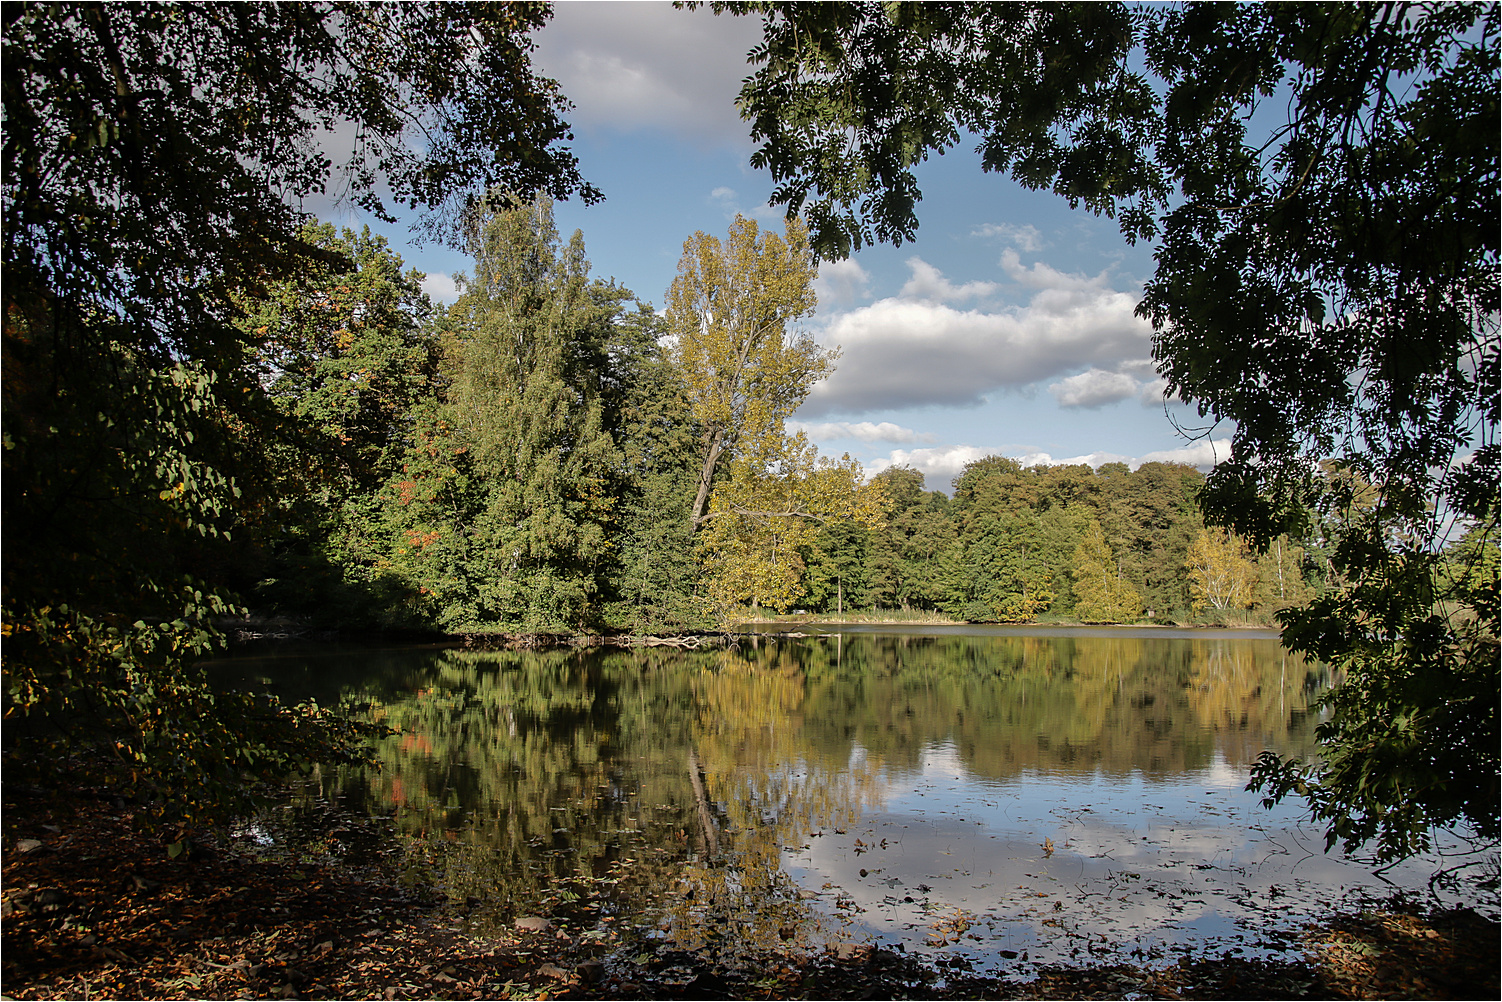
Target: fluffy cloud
628 66
904 353
1094 388
1203 455
1026 237
929 285
841 283
941 464
440 287
864 431
1152 392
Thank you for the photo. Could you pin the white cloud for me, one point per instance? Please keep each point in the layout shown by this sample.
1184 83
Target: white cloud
941 464
841 282
1094 388
1041 276
1025 237
938 465
441 287
930 285
1152 392
627 66
865 431
1091 459
1203 454
899 353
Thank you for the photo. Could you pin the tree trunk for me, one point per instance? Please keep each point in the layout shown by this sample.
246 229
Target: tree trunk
715 440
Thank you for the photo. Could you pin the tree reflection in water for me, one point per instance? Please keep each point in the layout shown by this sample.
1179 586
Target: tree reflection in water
660 793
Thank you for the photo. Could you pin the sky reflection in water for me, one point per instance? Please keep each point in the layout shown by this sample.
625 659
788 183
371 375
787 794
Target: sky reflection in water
1000 798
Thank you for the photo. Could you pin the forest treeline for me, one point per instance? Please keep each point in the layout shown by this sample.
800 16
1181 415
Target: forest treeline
552 454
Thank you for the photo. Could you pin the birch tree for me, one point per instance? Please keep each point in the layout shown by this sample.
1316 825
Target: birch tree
1220 575
731 310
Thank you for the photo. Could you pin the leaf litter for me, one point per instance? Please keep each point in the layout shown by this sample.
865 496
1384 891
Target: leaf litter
96 908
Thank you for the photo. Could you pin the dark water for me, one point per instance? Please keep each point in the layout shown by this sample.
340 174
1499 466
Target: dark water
991 797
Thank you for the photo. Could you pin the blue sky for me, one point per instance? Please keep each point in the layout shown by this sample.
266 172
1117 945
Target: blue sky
1006 328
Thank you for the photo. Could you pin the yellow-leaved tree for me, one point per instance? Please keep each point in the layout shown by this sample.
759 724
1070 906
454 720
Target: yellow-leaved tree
744 370
1220 573
1102 594
764 519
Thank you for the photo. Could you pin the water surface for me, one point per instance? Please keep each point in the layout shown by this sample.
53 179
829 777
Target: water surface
994 798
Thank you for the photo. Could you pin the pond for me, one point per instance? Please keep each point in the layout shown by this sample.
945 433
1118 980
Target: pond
992 798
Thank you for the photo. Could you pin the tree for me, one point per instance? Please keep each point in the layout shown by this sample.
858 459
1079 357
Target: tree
729 309
348 351
1101 595
836 562
1329 286
348 355
154 160
1220 575
1280 576
653 573
765 518
530 337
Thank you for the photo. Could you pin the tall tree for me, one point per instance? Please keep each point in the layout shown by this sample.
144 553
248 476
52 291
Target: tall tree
654 573
531 333
730 310
348 354
155 156
1330 286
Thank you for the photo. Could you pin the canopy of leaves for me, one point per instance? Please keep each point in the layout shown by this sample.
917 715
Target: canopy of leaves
764 521
155 160
1330 285
156 154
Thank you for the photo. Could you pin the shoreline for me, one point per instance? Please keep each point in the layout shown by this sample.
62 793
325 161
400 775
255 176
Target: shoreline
241 632
94 908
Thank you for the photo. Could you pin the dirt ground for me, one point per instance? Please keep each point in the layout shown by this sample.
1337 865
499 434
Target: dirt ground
93 908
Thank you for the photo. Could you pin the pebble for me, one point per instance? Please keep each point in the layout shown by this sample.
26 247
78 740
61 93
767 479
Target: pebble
533 923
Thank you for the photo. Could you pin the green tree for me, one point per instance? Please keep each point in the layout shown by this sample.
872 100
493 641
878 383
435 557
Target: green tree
654 574
902 559
530 333
837 568
729 309
348 350
154 156
1328 285
1280 576
1101 595
347 354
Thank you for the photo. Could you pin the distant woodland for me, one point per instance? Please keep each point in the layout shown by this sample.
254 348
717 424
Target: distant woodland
551 454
